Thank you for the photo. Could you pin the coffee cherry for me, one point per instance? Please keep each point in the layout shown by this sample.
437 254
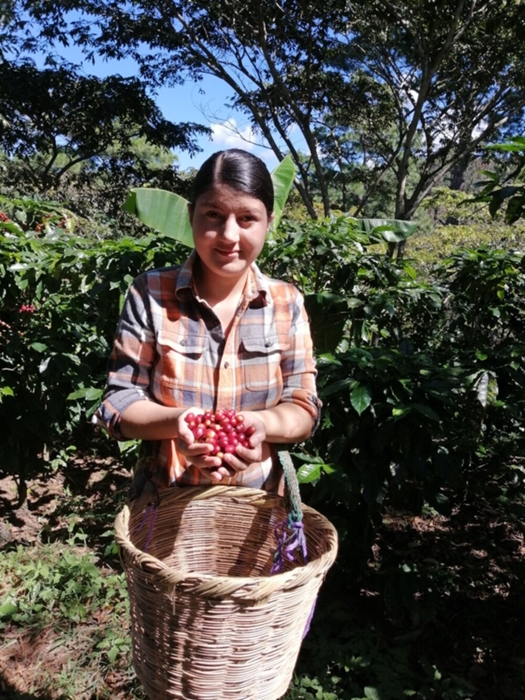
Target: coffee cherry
223 430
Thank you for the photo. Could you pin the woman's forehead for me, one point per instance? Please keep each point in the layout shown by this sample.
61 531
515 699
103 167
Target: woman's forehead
228 197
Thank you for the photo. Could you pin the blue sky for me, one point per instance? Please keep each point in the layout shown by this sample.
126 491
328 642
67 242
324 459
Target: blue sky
203 102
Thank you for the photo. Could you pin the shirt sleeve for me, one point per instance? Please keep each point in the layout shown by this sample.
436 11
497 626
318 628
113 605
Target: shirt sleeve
298 365
131 360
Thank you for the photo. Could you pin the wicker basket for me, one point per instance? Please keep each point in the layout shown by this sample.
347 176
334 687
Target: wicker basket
208 621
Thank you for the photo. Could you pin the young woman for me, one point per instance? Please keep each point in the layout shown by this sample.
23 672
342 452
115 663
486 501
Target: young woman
214 333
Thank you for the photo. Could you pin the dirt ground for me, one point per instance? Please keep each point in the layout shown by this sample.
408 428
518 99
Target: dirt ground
478 631
91 488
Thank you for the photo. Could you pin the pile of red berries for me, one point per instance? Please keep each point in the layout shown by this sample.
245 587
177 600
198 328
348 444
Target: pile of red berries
223 430
27 309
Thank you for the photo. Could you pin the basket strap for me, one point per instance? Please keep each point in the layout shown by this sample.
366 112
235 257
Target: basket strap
289 534
291 491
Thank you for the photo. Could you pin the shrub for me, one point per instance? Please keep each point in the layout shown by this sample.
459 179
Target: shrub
60 299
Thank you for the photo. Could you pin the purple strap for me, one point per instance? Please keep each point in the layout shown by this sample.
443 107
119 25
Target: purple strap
289 535
149 514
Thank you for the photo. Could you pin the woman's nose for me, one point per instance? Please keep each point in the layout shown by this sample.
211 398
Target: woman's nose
230 229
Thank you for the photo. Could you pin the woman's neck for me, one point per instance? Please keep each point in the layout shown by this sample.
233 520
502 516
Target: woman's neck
218 290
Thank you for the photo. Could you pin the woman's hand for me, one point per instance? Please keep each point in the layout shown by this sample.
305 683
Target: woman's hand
243 457
198 453
215 468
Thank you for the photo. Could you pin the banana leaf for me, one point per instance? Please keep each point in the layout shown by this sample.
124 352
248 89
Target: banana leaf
390 230
164 211
167 212
282 178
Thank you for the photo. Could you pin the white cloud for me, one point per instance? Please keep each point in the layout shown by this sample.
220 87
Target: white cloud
230 135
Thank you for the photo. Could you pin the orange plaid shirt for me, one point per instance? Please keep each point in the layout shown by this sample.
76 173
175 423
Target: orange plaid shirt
170 348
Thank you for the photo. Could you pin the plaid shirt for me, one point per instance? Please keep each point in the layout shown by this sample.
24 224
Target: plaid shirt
170 348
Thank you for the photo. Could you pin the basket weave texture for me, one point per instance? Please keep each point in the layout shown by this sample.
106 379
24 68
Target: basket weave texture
208 621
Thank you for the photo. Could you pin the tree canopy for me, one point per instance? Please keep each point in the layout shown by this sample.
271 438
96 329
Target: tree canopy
391 89
55 118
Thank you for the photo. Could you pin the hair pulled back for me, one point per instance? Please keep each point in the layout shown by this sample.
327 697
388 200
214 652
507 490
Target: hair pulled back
238 169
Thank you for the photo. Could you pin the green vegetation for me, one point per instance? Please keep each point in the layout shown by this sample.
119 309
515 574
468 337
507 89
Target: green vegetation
60 299
408 114
421 372
62 596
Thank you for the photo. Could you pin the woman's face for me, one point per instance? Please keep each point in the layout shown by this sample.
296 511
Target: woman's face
229 230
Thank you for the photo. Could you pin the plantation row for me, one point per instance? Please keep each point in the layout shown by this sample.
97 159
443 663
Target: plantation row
421 379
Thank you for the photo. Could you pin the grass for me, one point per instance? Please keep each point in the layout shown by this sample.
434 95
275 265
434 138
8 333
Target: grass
436 615
63 599
68 611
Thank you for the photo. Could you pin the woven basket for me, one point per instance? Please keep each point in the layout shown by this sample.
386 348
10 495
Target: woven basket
208 621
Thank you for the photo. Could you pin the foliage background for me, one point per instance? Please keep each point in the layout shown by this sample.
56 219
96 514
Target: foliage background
419 460
421 374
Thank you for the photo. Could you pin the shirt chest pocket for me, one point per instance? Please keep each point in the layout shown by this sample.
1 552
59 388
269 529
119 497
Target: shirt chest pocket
181 367
261 360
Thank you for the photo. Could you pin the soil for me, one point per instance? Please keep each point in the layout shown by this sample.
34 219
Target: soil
92 488
474 626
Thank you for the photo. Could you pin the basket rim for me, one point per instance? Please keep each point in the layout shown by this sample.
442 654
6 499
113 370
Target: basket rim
254 588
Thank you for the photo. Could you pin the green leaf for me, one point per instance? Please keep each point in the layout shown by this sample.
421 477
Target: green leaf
10 226
360 398
372 693
391 230
282 177
515 208
516 145
490 174
427 411
335 387
308 473
8 610
164 211
6 391
90 394
327 319
400 412
39 347
486 388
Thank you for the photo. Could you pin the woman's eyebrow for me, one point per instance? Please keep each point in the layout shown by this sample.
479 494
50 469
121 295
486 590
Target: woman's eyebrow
218 204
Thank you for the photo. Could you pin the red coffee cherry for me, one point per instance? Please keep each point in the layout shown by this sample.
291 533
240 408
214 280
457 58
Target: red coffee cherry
223 430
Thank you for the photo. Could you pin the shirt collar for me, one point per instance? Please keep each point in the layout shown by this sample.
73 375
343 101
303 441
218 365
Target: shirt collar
257 289
184 283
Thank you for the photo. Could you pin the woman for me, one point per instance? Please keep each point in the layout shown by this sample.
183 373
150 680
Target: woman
215 333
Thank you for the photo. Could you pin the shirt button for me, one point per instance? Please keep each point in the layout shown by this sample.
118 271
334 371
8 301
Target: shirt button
226 365
183 343
268 344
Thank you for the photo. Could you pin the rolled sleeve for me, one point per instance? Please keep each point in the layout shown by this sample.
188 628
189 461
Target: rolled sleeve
130 363
298 364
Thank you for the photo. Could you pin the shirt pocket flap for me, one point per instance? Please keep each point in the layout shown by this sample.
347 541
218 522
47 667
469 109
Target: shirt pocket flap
190 345
265 345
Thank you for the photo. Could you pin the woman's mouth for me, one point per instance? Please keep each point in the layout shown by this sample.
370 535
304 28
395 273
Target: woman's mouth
227 253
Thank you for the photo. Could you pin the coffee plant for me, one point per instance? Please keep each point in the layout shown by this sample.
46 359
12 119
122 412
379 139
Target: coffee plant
60 298
422 380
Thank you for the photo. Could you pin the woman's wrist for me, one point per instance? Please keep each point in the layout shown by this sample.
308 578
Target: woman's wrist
148 420
286 423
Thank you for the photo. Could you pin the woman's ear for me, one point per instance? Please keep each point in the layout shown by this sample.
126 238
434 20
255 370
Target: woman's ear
270 221
190 213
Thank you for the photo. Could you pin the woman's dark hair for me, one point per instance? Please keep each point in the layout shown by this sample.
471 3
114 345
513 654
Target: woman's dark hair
238 169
